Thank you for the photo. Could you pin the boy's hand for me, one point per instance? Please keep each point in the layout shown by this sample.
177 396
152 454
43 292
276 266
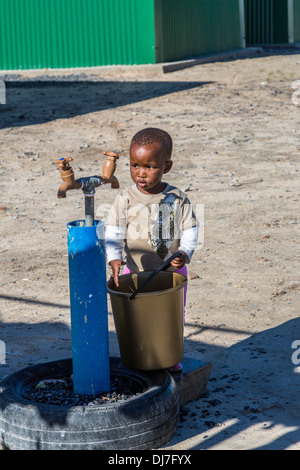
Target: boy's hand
115 265
180 261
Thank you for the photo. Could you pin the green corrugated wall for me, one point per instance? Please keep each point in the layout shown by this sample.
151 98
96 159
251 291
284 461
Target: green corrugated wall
266 21
86 33
259 21
297 20
75 33
281 31
189 28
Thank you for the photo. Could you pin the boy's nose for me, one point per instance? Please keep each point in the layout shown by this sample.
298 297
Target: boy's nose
142 172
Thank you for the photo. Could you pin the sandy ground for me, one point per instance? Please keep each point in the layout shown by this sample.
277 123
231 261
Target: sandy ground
236 151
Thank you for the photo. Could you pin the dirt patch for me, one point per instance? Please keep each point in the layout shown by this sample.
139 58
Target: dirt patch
236 151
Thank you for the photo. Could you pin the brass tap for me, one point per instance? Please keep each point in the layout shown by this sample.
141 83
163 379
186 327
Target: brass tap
67 175
69 182
109 167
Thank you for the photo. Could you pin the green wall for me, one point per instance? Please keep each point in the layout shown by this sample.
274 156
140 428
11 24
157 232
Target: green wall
75 33
297 20
189 28
86 33
266 21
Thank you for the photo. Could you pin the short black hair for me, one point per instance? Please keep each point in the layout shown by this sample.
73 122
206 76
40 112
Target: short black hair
149 135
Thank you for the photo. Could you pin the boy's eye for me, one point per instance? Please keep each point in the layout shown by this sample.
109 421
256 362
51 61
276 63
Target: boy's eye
135 165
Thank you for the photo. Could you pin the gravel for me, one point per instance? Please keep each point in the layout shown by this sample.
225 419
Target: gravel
60 392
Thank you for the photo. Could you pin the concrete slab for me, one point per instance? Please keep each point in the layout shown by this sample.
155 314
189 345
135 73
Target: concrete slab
234 54
192 382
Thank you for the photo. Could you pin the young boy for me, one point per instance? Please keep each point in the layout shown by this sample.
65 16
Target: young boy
150 220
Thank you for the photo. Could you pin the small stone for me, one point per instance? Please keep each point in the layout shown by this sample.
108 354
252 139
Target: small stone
192 276
210 424
215 402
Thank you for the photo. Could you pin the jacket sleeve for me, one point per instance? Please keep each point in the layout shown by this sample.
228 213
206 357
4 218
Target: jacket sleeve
189 229
115 229
189 240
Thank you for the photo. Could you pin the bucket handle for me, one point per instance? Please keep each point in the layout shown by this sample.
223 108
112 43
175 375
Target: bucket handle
162 267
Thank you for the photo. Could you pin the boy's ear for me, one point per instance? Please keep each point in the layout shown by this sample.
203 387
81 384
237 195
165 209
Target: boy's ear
168 166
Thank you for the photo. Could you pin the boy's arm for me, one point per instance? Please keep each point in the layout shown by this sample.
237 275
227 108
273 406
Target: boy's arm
180 261
189 230
188 243
114 237
115 265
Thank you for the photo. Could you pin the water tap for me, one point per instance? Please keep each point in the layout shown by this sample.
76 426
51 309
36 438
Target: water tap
87 184
67 175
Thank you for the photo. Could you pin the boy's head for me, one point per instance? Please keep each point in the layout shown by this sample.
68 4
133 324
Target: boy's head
150 158
150 135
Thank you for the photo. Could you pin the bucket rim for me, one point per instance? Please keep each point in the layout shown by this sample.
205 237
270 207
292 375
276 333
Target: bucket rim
144 294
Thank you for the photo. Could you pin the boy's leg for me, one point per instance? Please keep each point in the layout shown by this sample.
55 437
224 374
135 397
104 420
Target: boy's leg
183 271
126 270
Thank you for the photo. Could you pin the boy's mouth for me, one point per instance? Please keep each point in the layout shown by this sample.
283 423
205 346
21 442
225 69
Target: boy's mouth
143 184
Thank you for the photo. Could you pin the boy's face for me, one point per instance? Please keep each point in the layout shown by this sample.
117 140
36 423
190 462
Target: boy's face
148 163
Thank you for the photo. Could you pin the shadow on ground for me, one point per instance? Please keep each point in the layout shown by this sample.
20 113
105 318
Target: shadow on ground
26 106
253 387
253 383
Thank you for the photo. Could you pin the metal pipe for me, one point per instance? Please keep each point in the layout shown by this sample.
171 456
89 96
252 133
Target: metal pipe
89 210
89 183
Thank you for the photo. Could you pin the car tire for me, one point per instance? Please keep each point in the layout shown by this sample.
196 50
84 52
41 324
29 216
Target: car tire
145 421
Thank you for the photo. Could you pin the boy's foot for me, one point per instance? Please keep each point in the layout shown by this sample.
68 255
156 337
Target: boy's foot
176 368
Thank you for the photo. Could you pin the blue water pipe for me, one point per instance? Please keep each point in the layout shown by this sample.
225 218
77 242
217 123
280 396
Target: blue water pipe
88 302
88 289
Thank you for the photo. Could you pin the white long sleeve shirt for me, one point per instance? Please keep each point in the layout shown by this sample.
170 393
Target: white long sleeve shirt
150 228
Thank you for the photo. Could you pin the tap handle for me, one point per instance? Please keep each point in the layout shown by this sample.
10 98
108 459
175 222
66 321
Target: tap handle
109 166
114 155
66 171
63 163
